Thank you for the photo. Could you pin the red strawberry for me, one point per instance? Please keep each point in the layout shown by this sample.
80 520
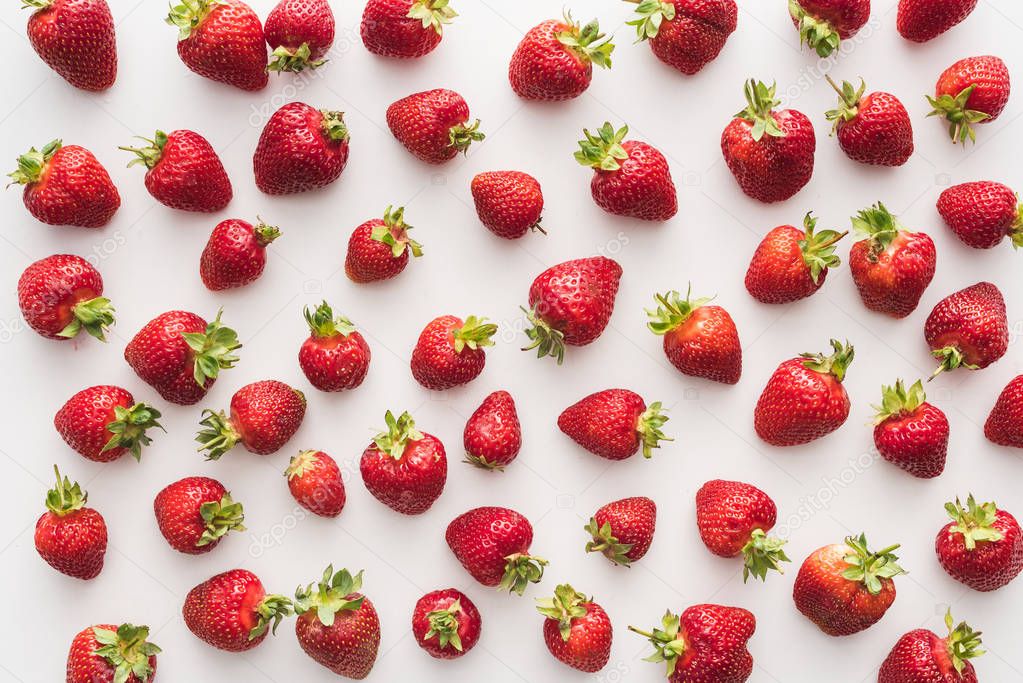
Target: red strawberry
404 28
195 513
872 129
235 254
614 423
300 149
492 543
337 625
180 355
623 529
981 547
184 172
968 328
492 435
109 653
699 340
264 417
335 357
449 352
922 655
577 630
76 39
433 125
630 178
509 203
221 40
446 623
300 33
316 483
61 295
231 611
71 538
971 91
685 34
379 248
791 264
102 423
554 61
571 303
1004 425
66 186
909 432
804 399
823 24
403 468
923 20
733 518
982 214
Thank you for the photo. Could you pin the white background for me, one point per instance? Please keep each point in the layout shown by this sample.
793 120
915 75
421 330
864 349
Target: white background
149 255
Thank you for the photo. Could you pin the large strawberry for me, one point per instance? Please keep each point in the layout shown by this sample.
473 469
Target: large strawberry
823 24
909 432
195 513
973 90
264 416
221 40
300 33
184 171
492 543
554 60
104 422
923 20
449 351
614 424
982 213
968 328
493 435
922 655
335 357
1004 424
61 295
71 537
315 481
235 254
231 611
982 546
509 203
872 129
300 149
76 39
623 529
446 623
791 264
433 125
404 28
403 468
577 630
118 654
685 34
379 249
699 340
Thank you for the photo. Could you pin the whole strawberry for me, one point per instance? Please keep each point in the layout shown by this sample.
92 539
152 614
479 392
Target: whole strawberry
195 513
235 254
449 352
872 129
66 186
300 149
433 125
446 623
1004 424
315 481
982 214
968 328
379 248
577 630
791 264
264 416
923 20
404 28
221 40
971 91
492 543
509 203
614 424
922 655
104 422
804 399
106 652
299 33
403 468
909 432
554 61
823 24
76 39
699 340
337 625
982 546
335 357
493 435
685 34
71 537
62 295
623 529
184 172
231 611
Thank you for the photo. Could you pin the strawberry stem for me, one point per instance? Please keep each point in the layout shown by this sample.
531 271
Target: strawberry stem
220 517
961 119
668 641
604 541
762 553
566 606
128 430
520 570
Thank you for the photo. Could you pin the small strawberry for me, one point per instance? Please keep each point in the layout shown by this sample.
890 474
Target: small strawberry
971 91
492 435
1004 425
379 248
76 39
492 543
968 328
235 254
71 538
316 483
300 149
449 352
791 264
623 529
823 24
404 28
981 547
699 340
982 214
909 432
264 416
685 34
433 125
299 33
577 630
509 203
61 295
195 513
554 61
804 400
102 423
335 357
872 129
446 623
184 172
922 655
221 40
231 611
403 468
923 20
119 654
614 423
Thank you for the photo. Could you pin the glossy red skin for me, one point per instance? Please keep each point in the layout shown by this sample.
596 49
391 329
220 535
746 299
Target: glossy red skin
228 46
266 414
76 39
838 606
177 510
881 134
981 214
923 20
577 297
988 73
320 489
775 168
411 484
588 647
633 521
222 610
50 288
233 256
706 345
162 359
715 638
991 564
777 273
84 666
921 656
369 260
295 154
697 34
642 188
605 423
973 320
336 363
435 363
916 442
483 537
846 17
470 623
189 175
1004 425
542 68
82 421
508 203
388 31
294 22
799 405
73 189
349 646
493 431
422 123
728 512
74 544
892 281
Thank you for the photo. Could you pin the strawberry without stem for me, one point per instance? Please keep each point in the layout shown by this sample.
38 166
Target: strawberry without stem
923 20
231 611
614 423
623 529
184 172
909 432
922 655
315 481
699 340
982 547
872 129
577 630
300 33
404 28
509 203
446 623
71 537
335 357
76 39
971 91
264 416
492 435
433 125
102 423
403 468
685 34
492 543
235 254
195 513
61 295
982 213
968 328
554 60
300 149
379 248
791 264
119 654
449 352
1004 424
221 40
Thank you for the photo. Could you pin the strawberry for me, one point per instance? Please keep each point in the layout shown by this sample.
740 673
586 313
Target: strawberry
685 34
61 295
299 33
923 20
449 352
379 248
433 125
971 91
492 543
823 24
403 468
71 537
909 432
804 399
699 340
968 328
509 203
554 61
571 303
221 40
492 435
76 39
981 547
335 357
630 178
106 652
102 423
704 643
66 186
893 266
922 655
769 151
180 355
733 518
404 28
1004 425
577 630
184 172
316 483
231 611
872 129
791 264
982 214
195 513
264 416
235 254
623 529
337 625
614 423
300 149
446 623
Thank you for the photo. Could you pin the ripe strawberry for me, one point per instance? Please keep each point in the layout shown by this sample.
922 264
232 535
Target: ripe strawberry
804 399
623 529
971 91
180 355
76 39
433 125
909 432
71 538
509 203
1004 425
982 214
335 357
221 40
554 61
337 625
791 264
235 254
577 630
112 653
571 303
872 129
66 186
404 28
922 655
300 149
968 328
614 423
184 172
379 248
264 417
770 152
403 468
102 423
449 352
300 33
923 20
685 34
981 547
315 481
492 435
492 543
446 623
699 340
61 295
231 611
733 518
195 513
823 24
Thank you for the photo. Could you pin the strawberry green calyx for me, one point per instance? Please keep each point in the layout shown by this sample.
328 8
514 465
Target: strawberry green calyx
294 60
566 605
149 156
336 592
604 541
673 311
212 350
950 358
37 4
265 234
398 435
187 15
963 642
520 570
879 226
394 233
127 651
475 334
65 497
271 611
760 109
849 102
818 248
603 151
960 119
433 14
869 568
836 364
649 428
94 316
650 14
897 400
334 125
545 339
482 463
1016 229
816 33
323 323
300 464
975 521
220 516
462 136
219 435
585 42
444 626
668 641
32 163
128 430
761 554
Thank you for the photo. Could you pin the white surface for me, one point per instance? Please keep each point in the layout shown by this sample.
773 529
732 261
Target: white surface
149 254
